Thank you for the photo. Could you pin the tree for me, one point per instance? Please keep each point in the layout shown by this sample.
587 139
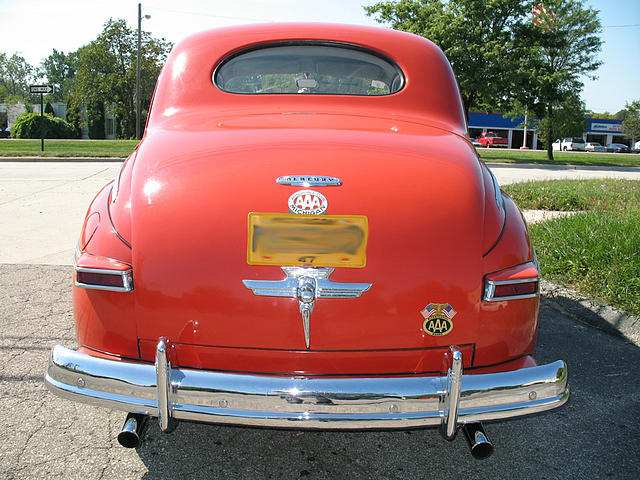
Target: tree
631 123
555 55
568 120
60 69
15 76
106 72
477 36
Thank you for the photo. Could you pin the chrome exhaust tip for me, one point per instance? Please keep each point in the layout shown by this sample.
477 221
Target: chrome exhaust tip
477 439
133 430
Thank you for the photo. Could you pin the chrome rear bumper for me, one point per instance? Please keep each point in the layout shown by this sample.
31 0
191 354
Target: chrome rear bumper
326 403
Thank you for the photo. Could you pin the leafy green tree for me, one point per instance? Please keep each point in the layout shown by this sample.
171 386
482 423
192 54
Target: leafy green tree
477 36
631 123
60 69
15 76
555 55
75 118
95 120
569 120
107 72
48 108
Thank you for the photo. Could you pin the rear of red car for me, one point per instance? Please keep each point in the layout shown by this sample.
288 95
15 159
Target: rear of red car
305 237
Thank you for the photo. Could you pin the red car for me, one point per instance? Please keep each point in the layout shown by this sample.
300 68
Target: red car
305 237
490 139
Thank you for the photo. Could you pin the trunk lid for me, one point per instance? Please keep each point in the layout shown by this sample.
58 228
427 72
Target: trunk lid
420 188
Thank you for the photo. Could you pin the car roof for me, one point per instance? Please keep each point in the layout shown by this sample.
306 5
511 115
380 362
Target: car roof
430 94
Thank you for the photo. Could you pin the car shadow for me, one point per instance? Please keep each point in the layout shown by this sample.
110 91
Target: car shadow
595 435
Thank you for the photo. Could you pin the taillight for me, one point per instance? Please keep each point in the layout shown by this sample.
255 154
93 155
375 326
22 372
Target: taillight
104 280
102 273
520 281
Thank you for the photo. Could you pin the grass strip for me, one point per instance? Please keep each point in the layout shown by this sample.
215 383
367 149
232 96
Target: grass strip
67 148
595 252
122 149
560 158
572 195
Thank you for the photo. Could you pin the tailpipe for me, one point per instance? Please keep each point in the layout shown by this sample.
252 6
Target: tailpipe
477 439
133 430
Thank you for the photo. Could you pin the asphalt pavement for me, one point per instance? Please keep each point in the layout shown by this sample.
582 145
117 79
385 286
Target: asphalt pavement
596 435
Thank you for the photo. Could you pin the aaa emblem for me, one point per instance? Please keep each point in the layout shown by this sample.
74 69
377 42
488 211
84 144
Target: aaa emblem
438 319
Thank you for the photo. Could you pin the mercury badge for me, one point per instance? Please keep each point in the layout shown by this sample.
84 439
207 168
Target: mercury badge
307 202
438 319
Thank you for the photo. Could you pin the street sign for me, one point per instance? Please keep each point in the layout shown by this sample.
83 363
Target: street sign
40 88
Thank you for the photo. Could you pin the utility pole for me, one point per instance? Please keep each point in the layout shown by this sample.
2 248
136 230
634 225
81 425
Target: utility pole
138 106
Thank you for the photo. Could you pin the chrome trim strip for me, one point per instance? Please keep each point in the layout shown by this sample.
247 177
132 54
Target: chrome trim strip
497 191
325 403
116 183
115 230
309 181
490 287
288 287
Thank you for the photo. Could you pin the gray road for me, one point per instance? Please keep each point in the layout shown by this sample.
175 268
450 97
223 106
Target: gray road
596 435
41 208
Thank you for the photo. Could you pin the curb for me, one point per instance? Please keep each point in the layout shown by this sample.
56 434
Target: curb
584 310
62 159
546 166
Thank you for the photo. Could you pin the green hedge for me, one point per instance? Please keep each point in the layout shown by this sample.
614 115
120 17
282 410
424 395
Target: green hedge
28 125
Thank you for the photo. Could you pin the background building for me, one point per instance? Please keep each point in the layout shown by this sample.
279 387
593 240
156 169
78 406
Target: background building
601 130
511 128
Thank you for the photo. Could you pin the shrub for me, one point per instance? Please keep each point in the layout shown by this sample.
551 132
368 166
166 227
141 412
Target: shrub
28 125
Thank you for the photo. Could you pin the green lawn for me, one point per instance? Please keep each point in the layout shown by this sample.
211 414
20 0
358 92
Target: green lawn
67 148
597 251
122 148
560 158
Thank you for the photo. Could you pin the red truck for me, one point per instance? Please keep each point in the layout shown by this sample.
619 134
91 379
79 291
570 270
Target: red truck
490 139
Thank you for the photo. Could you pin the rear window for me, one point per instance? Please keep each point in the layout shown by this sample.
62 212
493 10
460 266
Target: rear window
577 140
309 68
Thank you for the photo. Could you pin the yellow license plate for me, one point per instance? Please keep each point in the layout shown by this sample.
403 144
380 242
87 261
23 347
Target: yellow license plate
315 240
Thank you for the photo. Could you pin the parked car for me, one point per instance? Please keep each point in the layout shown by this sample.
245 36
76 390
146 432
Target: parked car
636 147
594 147
490 139
568 144
305 238
618 148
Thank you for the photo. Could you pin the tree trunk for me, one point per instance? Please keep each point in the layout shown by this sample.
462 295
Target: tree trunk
549 135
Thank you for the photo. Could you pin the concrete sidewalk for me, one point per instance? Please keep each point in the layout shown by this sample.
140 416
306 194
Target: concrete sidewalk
42 205
61 159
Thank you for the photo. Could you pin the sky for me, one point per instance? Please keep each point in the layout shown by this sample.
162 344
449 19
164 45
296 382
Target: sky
35 27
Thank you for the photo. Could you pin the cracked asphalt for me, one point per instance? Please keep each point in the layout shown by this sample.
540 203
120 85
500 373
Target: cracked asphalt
596 435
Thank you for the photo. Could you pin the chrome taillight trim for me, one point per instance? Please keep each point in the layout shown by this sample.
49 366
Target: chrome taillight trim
127 279
490 287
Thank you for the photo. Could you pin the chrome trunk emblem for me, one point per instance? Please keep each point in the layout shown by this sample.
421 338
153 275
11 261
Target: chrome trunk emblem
306 284
309 181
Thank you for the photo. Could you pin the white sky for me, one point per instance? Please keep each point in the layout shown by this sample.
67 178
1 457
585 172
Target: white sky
35 27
